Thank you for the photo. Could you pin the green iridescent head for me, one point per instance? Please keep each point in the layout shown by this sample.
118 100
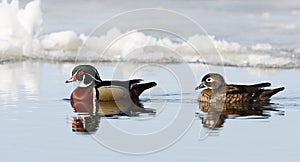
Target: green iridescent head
85 74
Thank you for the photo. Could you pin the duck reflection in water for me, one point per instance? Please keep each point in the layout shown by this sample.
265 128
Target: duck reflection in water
216 114
88 114
220 100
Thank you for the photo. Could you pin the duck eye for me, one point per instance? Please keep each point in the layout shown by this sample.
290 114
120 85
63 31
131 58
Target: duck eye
80 73
209 80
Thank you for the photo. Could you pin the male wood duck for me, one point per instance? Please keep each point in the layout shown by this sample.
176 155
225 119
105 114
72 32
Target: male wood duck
218 91
92 87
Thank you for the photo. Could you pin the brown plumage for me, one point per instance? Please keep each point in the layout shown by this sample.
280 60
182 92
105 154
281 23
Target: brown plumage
218 91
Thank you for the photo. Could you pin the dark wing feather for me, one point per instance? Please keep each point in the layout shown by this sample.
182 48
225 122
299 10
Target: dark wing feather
138 89
134 81
231 88
266 94
126 84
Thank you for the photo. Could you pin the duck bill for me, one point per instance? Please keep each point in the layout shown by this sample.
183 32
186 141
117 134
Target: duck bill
200 86
72 79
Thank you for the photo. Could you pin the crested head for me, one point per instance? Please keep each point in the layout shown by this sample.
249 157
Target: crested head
84 68
213 81
86 75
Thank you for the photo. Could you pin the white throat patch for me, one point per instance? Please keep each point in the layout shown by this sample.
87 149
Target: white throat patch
81 83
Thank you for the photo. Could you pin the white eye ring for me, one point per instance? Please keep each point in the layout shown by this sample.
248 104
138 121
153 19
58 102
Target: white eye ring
209 80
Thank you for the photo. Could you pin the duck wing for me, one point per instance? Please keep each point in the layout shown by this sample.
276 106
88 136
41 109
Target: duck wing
125 84
234 89
255 91
134 85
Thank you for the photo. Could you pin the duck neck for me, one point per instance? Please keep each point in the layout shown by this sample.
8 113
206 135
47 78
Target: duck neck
82 85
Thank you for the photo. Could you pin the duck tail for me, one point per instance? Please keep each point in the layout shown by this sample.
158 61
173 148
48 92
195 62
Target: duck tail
138 89
265 95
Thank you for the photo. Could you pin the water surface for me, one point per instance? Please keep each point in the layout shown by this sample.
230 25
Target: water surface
37 122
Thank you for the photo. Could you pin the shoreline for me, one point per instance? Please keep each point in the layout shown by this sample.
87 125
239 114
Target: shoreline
26 59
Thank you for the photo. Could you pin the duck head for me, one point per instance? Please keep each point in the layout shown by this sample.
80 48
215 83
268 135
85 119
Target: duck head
85 75
212 81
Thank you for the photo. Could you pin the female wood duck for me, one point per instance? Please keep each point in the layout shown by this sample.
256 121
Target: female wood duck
92 87
218 91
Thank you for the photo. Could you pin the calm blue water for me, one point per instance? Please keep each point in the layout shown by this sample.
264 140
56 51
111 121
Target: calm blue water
37 122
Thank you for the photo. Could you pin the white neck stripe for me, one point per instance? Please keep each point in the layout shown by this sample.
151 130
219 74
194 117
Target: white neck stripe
94 78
